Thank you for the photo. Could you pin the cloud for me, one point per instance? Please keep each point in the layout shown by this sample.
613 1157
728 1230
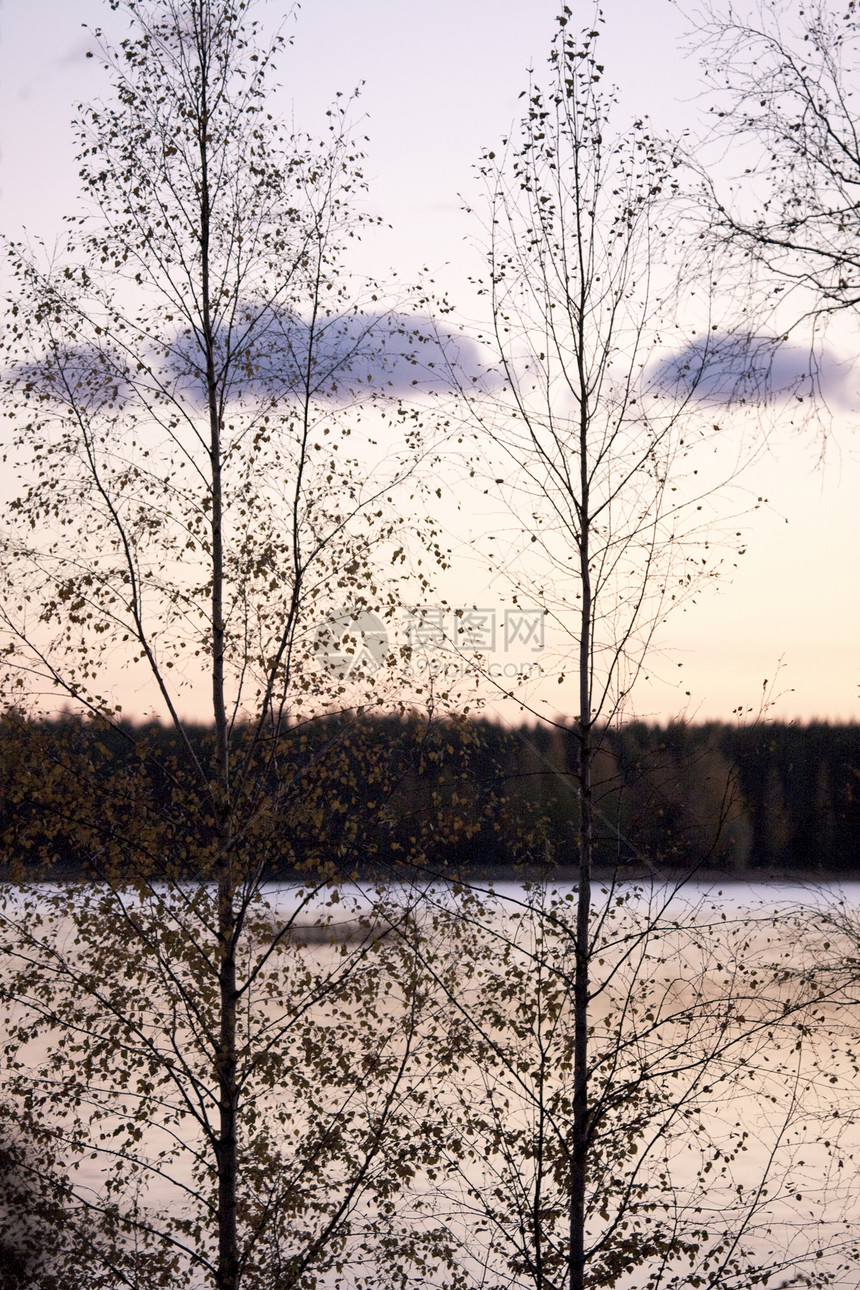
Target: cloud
726 369
270 354
277 354
90 378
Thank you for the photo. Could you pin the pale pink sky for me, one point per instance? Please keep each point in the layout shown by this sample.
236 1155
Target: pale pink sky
441 81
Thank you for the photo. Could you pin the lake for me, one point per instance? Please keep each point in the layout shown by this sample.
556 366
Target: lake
723 1043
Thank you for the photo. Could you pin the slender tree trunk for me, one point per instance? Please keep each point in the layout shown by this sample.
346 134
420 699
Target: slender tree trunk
227 1164
227 1277
580 1134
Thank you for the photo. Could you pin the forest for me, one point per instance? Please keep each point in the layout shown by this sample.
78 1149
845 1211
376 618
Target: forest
762 801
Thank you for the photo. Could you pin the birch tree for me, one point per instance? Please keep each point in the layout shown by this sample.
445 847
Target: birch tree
201 486
783 79
780 192
590 452
597 1067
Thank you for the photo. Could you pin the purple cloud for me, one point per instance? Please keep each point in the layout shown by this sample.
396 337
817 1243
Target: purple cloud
276 354
271 354
726 369
88 377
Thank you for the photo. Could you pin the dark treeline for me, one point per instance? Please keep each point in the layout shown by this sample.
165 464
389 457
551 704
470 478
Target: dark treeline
774 798
768 799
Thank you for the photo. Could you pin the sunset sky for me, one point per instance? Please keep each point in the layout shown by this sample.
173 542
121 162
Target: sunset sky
440 82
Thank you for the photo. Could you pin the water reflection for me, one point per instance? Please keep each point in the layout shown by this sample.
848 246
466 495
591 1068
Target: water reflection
723 1055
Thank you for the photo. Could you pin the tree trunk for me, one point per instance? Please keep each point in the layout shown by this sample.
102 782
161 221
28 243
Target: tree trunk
227 1276
580 1133
228 1100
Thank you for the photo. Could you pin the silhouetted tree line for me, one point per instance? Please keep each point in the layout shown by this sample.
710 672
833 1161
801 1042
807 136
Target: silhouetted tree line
767 798
331 798
456 796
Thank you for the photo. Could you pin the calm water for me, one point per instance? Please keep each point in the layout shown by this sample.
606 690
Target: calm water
779 1121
